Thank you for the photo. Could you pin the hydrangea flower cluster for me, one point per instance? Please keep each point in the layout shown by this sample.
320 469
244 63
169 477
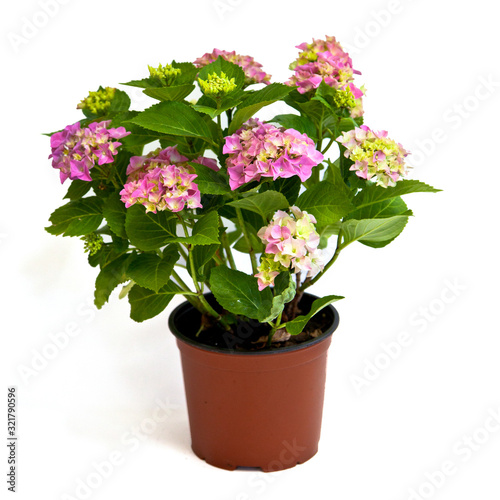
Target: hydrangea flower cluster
375 156
216 85
291 242
98 102
165 74
253 70
75 150
262 150
324 60
163 180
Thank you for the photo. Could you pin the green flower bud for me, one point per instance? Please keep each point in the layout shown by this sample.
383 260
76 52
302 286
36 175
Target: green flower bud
344 99
93 243
98 102
217 85
166 74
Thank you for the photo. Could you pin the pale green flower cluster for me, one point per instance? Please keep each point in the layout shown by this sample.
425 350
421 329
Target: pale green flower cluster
217 85
98 102
166 74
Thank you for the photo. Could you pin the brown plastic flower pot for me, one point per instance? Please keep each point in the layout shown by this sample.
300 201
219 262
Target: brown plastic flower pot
254 408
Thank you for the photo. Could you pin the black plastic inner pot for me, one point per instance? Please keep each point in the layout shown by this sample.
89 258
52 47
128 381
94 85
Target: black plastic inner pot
184 323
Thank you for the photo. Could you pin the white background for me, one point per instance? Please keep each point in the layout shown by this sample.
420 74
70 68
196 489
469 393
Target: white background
424 64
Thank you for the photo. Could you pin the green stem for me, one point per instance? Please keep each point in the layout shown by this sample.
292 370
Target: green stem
227 249
274 327
241 221
206 307
306 283
332 140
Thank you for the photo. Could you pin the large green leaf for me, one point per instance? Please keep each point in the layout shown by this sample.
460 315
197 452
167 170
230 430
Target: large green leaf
149 231
178 118
256 101
151 271
205 231
374 232
173 93
297 325
238 293
327 201
297 122
209 181
374 194
289 187
77 218
263 204
110 276
146 304
77 189
120 102
114 212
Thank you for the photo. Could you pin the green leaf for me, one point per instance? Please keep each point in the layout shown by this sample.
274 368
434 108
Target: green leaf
385 208
205 231
328 202
77 218
290 187
374 194
301 123
209 181
151 271
263 204
297 325
373 232
188 72
120 102
284 292
256 101
146 304
238 293
77 189
208 105
149 231
201 256
110 276
114 212
144 83
174 93
178 118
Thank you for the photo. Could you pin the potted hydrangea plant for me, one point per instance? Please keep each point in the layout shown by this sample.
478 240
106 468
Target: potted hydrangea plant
165 199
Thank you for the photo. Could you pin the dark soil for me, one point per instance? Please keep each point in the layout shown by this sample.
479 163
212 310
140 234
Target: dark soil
249 335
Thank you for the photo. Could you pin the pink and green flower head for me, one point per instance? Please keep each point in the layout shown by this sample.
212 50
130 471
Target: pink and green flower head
76 150
291 243
263 150
163 180
376 157
252 69
325 61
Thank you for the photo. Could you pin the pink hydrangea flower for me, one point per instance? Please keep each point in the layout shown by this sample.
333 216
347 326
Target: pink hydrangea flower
76 150
291 243
323 60
375 156
163 180
253 70
262 150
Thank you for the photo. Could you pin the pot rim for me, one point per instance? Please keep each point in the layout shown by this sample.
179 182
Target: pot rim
262 352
